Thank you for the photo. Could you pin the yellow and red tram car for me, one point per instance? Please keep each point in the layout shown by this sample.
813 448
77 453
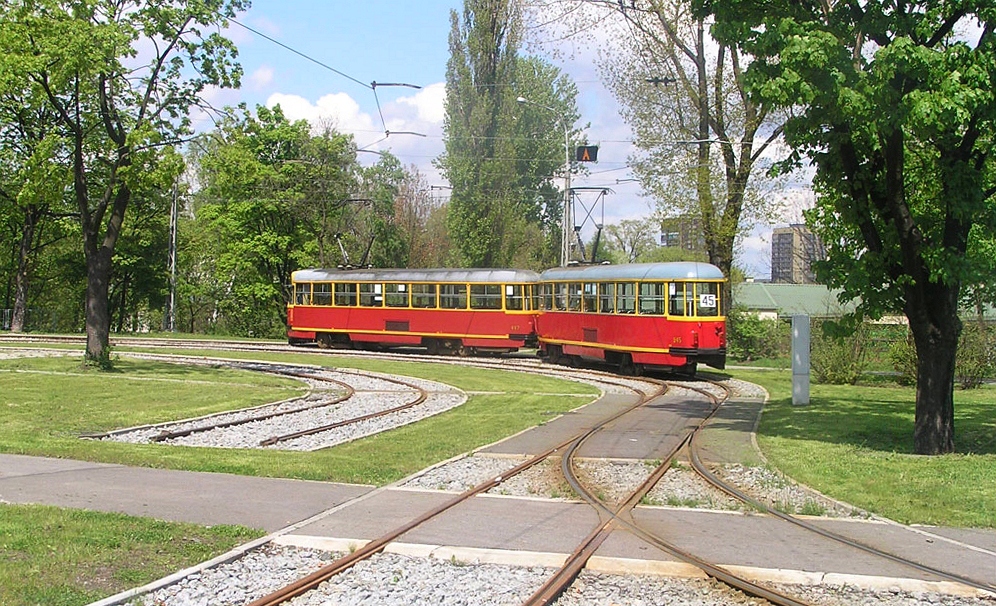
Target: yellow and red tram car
444 310
634 316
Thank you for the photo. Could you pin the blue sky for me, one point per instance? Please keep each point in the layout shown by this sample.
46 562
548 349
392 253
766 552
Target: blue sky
392 41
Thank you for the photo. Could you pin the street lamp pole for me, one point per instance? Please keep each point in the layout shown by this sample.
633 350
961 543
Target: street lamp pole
566 227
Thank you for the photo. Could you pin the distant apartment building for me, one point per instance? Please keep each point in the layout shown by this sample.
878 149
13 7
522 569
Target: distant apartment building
683 232
793 250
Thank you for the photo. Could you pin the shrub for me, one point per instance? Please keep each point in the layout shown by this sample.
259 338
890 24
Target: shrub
974 362
838 359
748 337
902 352
976 359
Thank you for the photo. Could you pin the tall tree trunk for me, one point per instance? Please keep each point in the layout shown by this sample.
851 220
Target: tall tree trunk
98 274
31 216
936 327
98 316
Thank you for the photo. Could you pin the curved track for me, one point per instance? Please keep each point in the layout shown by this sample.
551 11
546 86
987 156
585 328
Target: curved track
610 517
317 578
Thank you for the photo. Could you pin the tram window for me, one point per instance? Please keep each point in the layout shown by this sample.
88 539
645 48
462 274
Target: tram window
302 293
676 298
371 295
607 297
707 298
485 296
626 297
535 296
652 298
453 296
560 296
515 299
574 296
590 297
545 296
423 295
345 294
323 293
396 295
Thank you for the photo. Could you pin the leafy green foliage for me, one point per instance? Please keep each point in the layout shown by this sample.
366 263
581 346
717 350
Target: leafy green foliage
902 353
751 338
114 85
500 155
838 359
896 106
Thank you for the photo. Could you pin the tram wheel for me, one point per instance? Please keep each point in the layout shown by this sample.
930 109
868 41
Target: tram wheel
554 353
626 366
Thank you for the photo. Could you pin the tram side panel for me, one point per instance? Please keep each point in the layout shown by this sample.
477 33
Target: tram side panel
482 329
608 337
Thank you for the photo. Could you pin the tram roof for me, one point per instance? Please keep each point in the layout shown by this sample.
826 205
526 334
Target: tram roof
682 270
415 275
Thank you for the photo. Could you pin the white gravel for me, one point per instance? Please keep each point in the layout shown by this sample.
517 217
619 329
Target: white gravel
373 393
389 579
394 580
254 575
782 494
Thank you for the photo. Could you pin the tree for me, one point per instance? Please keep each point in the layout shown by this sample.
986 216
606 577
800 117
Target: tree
631 239
119 77
684 97
272 195
33 179
501 156
895 105
413 209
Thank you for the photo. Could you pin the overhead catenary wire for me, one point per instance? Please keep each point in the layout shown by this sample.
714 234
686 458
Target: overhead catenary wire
372 85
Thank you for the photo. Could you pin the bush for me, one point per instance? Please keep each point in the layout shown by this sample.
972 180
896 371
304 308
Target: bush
974 362
838 359
748 337
902 352
976 359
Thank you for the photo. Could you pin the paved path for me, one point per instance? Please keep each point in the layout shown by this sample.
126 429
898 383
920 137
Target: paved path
489 528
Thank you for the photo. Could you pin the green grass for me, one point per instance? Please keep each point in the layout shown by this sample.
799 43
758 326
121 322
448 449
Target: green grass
65 557
52 401
855 443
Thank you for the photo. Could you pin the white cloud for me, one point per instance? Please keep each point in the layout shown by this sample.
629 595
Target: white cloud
429 103
261 78
338 108
753 253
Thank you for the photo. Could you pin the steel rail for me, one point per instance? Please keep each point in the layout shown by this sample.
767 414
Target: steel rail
422 396
735 492
170 435
313 580
555 586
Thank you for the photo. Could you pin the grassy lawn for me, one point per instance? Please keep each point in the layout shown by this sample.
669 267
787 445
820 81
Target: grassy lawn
66 557
855 443
852 443
69 557
52 402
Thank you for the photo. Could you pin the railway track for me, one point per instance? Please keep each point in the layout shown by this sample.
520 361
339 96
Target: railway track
315 579
619 516
290 420
612 517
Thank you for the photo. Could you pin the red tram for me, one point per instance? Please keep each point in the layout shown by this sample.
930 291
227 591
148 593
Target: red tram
636 316
445 310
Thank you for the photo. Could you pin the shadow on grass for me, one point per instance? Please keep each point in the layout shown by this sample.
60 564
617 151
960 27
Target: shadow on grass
882 424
